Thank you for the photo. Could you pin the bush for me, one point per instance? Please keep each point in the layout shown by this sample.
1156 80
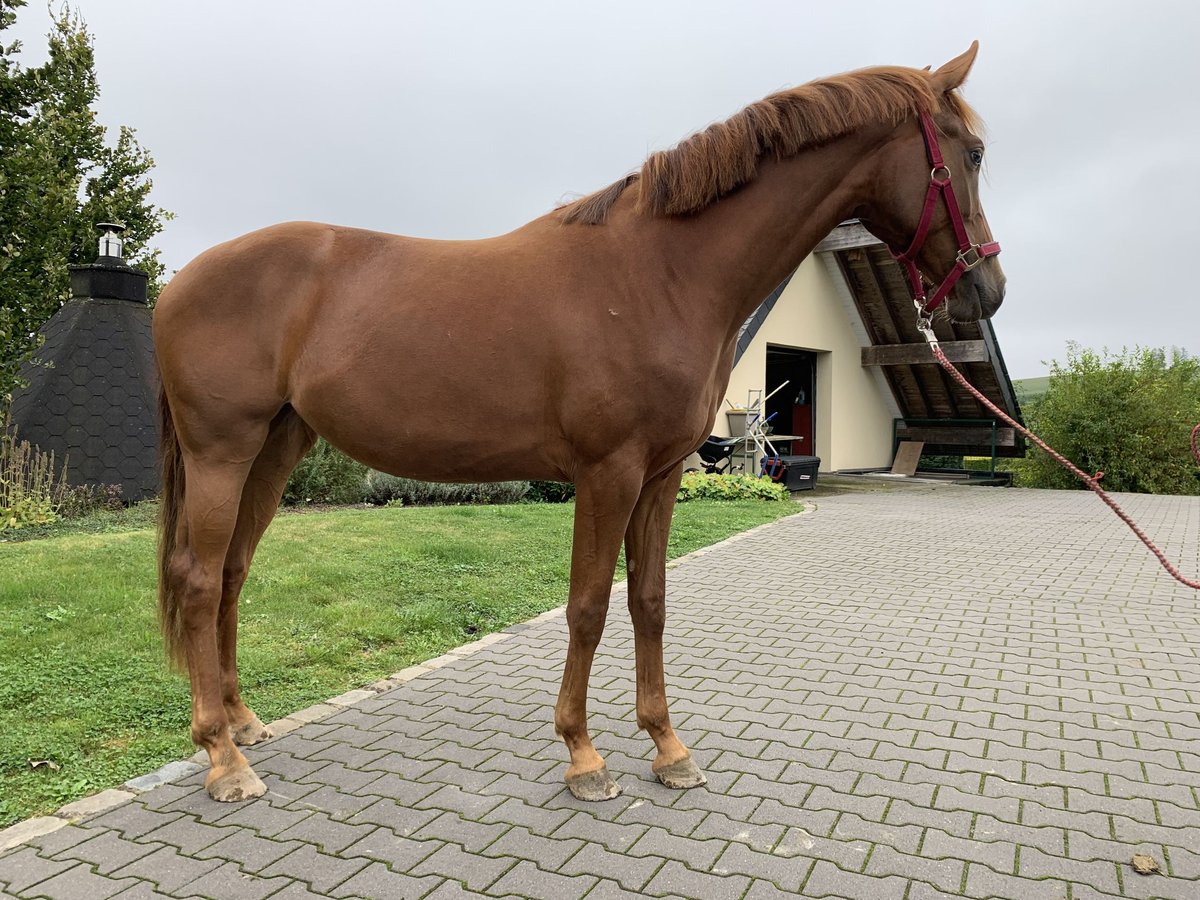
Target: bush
702 486
382 488
1128 416
550 492
326 475
85 499
31 487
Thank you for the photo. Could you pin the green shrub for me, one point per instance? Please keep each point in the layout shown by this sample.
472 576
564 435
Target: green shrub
31 487
326 475
382 489
702 486
1127 415
550 492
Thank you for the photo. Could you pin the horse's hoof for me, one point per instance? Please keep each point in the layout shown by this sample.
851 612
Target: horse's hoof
237 785
594 786
681 774
252 732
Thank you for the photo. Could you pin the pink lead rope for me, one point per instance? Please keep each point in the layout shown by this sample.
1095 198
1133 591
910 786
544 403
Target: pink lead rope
1092 481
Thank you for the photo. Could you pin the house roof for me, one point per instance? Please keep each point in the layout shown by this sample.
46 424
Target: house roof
933 407
93 400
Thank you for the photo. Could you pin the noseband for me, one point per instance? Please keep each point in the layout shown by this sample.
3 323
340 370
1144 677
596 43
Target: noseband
969 255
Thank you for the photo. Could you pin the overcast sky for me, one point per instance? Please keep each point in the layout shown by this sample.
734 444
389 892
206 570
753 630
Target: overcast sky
461 120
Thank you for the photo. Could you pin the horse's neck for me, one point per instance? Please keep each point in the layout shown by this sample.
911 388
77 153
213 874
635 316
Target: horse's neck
738 250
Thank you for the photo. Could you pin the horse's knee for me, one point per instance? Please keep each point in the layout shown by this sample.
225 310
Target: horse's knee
649 614
199 594
585 621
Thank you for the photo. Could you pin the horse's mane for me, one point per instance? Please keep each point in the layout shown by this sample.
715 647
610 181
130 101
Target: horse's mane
710 164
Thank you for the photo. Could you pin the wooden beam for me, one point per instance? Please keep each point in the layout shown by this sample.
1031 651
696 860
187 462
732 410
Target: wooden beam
847 236
974 435
916 354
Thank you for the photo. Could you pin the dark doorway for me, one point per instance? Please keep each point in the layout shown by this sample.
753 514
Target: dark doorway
792 407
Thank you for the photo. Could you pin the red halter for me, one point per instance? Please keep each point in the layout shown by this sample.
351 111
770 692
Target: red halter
969 255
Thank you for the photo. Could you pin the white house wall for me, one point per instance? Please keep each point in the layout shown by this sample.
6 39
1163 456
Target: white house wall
853 407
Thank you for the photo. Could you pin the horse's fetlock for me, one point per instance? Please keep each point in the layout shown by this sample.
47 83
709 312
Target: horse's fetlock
209 732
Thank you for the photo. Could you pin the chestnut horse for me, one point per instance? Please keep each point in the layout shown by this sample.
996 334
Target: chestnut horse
592 345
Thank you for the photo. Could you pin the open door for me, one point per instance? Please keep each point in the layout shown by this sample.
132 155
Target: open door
792 407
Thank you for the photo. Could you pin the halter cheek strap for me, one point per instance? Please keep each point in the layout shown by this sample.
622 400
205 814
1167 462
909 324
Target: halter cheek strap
969 255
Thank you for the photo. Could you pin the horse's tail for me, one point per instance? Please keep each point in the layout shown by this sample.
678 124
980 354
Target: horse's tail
170 616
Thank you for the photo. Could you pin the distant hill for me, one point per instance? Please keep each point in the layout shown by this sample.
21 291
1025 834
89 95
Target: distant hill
1030 388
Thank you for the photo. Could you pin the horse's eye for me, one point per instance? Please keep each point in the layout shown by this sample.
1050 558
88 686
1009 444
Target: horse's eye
977 157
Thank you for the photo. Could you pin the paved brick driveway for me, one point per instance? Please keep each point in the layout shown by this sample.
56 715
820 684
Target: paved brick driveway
949 692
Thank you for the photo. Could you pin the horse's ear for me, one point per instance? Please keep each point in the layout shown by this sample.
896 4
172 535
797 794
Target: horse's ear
954 73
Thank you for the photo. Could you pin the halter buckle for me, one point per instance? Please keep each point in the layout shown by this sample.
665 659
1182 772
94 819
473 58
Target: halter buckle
965 259
933 175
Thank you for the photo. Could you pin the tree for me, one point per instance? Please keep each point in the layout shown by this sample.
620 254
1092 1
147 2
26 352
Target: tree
1127 415
58 177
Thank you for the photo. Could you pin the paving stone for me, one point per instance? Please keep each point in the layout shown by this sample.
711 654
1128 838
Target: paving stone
143 890
1099 874
632 874
477 872
944 874
319 870
377 880
527 880
49 843
546 853
535 818
617 838
22 867
786 872
676 878
107 851
985 882
79 882
167 868
611 890
251 852
228 882
827 880
696 854
473 836
188 834
267 820
758 837
467 803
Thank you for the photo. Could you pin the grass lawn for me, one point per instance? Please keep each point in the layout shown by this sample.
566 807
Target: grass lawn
336 599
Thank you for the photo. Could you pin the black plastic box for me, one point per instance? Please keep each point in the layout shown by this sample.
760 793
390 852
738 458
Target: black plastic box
801 472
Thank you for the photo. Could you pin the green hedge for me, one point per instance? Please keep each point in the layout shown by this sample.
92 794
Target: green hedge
702 486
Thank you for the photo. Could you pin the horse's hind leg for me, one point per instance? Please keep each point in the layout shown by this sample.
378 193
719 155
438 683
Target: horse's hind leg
646 558
215 479
289 439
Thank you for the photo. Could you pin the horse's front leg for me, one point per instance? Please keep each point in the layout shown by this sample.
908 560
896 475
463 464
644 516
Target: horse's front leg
646 560
603 503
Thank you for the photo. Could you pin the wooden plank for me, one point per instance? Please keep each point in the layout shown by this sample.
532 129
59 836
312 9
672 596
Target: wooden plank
846 236
908 456
975 435
917 354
